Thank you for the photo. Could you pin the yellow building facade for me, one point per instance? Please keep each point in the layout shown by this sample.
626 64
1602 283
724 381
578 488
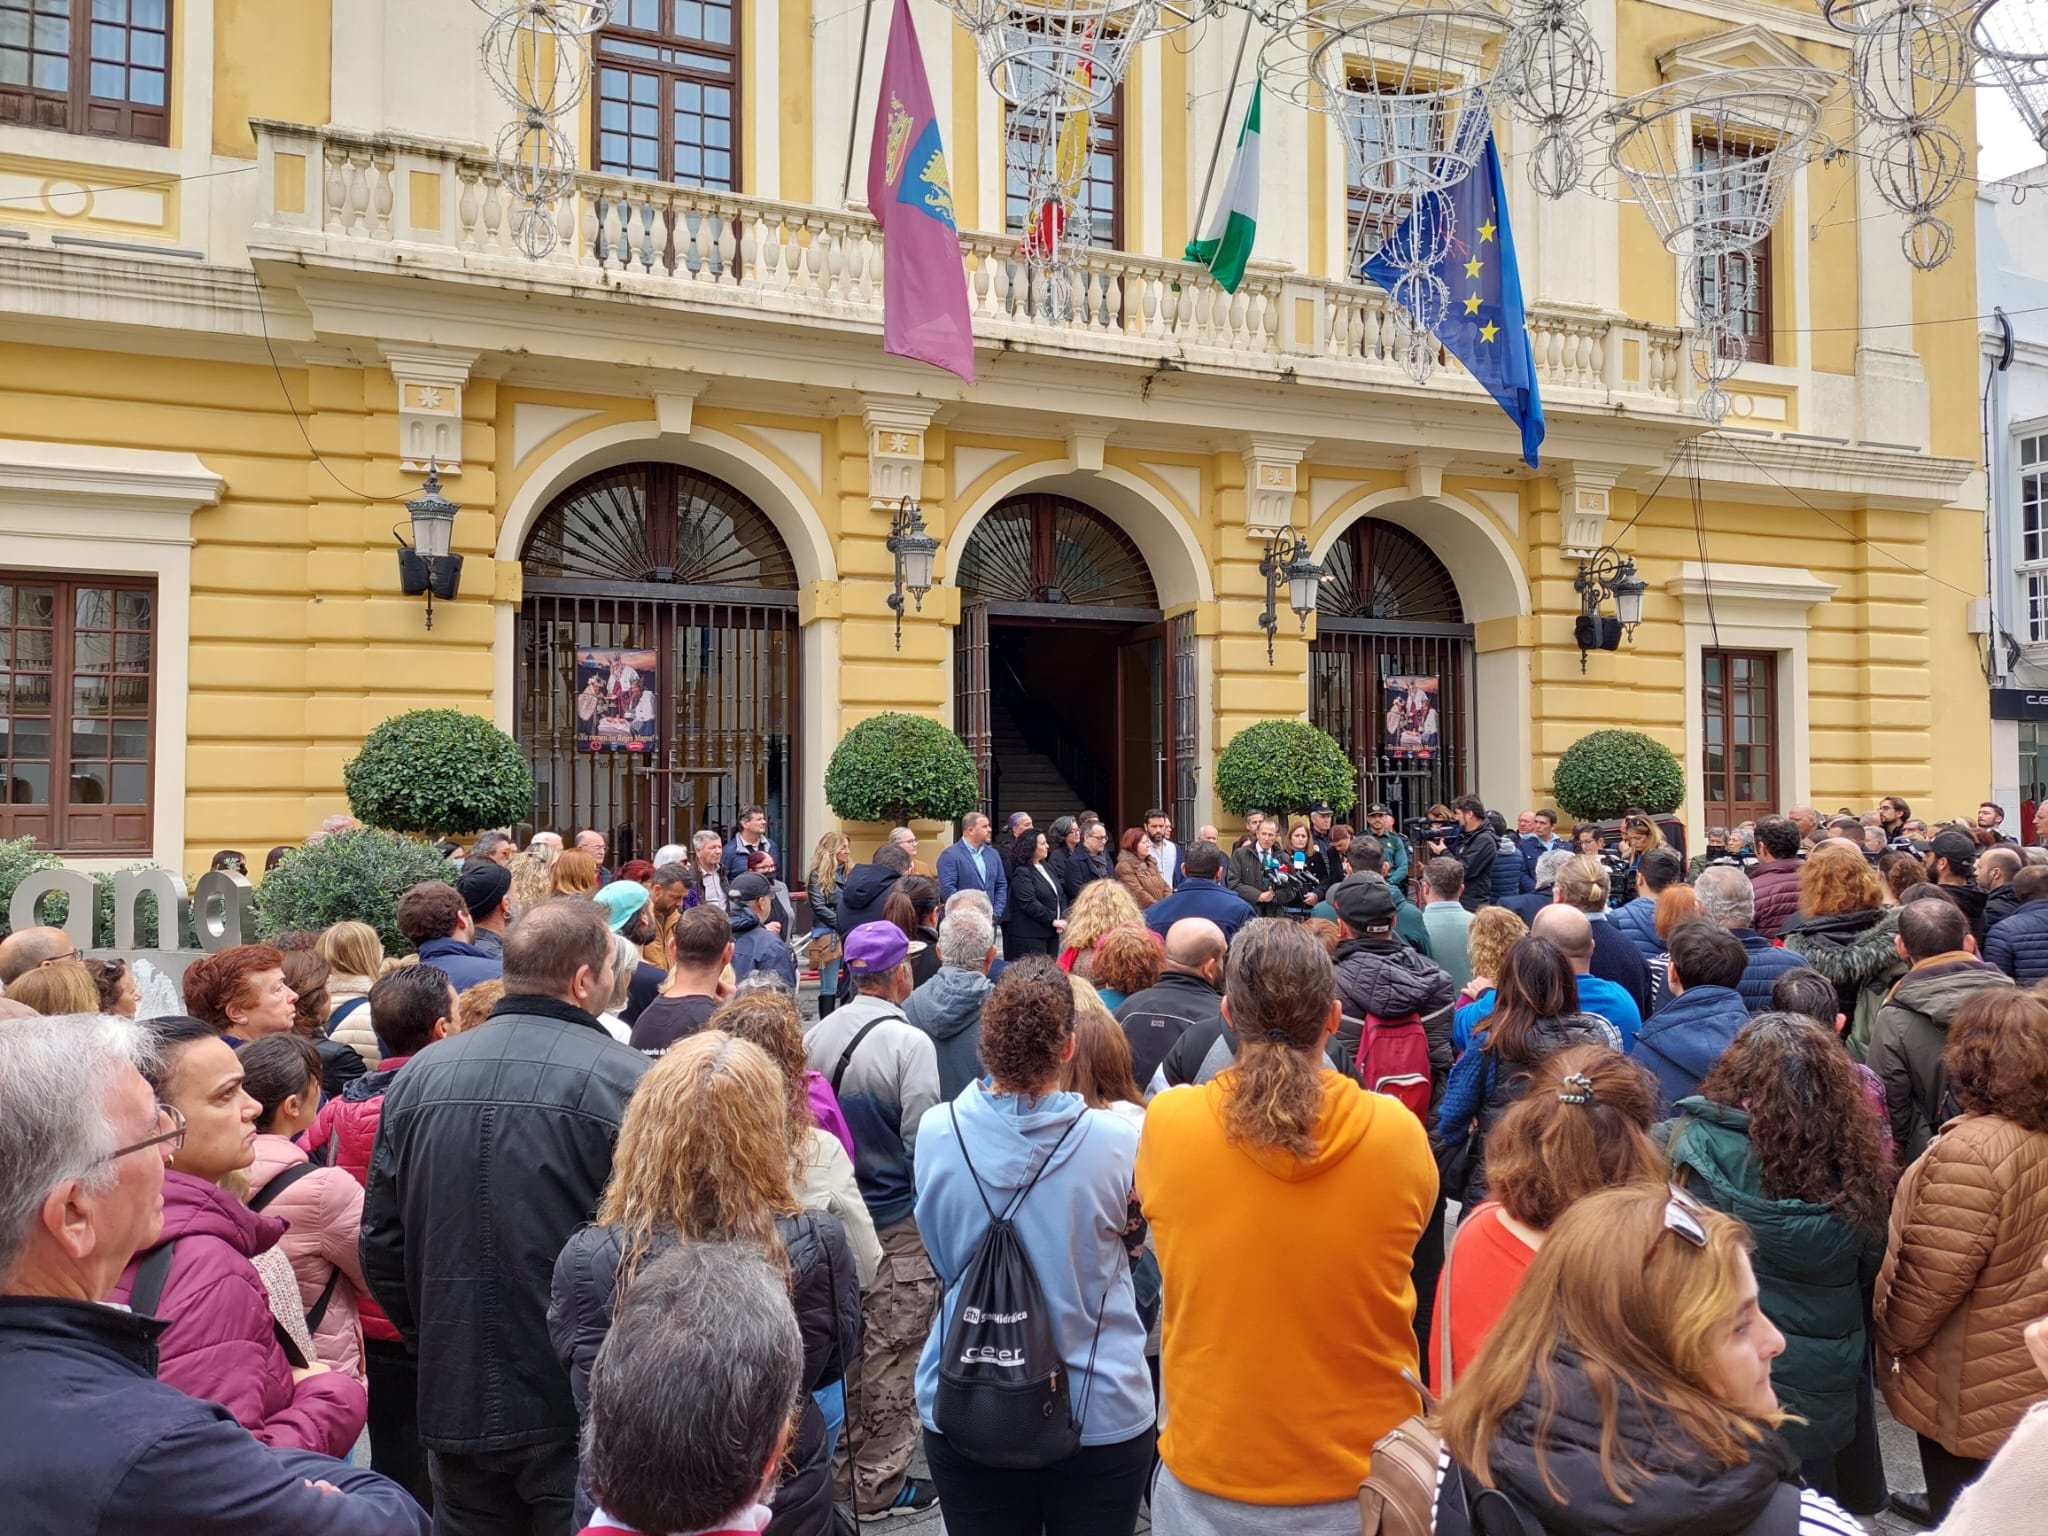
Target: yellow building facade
227 358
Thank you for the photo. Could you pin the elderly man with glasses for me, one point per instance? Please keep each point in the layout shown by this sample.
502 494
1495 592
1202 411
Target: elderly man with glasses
95 1442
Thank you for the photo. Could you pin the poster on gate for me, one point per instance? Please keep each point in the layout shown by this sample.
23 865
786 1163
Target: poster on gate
614 700
1413 730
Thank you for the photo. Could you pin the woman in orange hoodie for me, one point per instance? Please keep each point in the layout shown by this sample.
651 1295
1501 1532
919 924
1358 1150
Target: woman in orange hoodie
1285 1203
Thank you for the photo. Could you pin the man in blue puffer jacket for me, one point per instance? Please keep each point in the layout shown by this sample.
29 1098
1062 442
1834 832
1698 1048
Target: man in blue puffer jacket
1729 899
1660 869
1681 1041
2018 945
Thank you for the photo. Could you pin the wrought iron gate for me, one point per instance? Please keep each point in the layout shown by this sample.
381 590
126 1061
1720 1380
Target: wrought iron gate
971 721
1185 725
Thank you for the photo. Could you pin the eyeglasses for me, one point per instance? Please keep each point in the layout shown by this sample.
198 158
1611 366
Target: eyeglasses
69 954
1682 1216
174 1138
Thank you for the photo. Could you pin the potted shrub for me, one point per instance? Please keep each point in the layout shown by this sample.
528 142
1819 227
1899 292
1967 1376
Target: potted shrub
1607 772
356 875
1285 766
433 772
896 767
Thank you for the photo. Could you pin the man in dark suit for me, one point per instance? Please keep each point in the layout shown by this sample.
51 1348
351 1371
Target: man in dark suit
972 865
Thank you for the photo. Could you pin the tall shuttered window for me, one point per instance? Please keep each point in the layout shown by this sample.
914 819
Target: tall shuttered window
1101 178
77 711
667 92
1738 280
2033 568
1739 710
99 67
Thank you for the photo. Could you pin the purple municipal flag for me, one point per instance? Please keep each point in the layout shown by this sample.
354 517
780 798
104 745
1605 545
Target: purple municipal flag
924 283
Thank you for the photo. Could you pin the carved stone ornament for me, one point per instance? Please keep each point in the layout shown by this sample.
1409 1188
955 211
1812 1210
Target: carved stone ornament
1271 477
430 382
896 432
1586 497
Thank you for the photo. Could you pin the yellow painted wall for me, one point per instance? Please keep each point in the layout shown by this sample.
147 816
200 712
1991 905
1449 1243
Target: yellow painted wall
255 76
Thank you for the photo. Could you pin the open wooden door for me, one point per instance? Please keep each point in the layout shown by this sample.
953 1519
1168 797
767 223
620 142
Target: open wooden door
971 696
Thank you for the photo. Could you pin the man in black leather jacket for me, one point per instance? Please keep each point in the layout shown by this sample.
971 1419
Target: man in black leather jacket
495 1146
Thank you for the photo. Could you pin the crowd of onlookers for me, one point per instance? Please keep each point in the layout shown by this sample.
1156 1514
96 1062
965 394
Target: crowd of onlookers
1071 1185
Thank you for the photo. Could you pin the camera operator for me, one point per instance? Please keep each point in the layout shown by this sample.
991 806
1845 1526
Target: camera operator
1476 849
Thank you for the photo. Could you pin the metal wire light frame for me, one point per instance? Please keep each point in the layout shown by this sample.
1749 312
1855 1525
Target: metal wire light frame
1703 206
579 17
1057 55
1551 79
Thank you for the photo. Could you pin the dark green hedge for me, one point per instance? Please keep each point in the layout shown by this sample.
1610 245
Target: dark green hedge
894 767
1285 766
437 772
1603 774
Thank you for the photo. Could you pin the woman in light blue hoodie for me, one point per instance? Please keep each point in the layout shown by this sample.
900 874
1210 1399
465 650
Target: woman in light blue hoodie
1078 1226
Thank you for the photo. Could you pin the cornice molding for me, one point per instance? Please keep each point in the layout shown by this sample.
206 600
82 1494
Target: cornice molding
90 476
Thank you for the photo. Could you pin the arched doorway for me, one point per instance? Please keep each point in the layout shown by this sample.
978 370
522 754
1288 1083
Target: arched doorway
1390 672
1072 690
657 684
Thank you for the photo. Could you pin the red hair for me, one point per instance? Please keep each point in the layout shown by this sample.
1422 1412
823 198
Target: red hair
214 983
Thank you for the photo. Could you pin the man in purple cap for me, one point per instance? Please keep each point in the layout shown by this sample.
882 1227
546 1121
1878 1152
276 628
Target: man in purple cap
885 1071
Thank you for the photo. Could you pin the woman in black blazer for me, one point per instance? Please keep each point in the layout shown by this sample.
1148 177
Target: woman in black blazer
1063 846
1037 909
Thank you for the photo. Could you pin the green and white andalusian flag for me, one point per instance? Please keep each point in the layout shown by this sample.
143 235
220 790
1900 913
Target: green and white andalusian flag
1226 244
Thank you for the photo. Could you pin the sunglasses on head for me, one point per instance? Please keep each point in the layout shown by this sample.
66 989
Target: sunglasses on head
1681 1215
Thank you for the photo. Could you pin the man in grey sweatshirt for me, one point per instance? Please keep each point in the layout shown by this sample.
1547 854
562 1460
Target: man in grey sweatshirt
948 1005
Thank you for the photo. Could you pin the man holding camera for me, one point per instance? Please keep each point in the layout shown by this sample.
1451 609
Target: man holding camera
1476 852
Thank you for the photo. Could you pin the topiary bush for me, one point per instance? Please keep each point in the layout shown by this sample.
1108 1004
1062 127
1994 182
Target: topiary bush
894 767
1285 766
1603 774
20 857
438 771
357 875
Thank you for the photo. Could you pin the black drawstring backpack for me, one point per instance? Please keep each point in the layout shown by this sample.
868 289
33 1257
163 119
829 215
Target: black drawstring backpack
1002 1398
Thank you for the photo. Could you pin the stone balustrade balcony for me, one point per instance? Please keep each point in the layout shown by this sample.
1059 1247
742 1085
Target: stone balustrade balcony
387 202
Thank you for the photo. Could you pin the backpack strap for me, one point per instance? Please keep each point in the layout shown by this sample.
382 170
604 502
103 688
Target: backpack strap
334 1019
846 1057
150 1275
1018 1199
280 1182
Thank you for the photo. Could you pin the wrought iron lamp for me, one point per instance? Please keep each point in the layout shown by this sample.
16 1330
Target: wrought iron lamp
425 565
913 550
1287 558
1607 575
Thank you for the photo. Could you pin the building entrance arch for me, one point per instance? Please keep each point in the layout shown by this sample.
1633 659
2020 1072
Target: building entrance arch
1068 677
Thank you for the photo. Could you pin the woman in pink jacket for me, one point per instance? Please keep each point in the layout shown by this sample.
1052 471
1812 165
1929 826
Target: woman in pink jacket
221 1342
321 1207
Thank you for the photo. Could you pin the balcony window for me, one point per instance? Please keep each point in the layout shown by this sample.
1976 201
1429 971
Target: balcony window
1101 182
1740 281
667 96
99 67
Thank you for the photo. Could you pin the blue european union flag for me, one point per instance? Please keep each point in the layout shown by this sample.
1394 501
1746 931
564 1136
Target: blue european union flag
1485 329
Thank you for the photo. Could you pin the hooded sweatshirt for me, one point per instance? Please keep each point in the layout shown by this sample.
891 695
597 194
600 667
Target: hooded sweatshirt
891 1081
1238 1230
221 1343
1909 1038
1681 1041
754 948
1072 1228
948 1008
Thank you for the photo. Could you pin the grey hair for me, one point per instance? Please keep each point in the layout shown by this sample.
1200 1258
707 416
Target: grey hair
964 939
625 960
1547 866
54 1128
1726 896
692 1388
898 834
670 853
2035 858
705 839
968 896
488 843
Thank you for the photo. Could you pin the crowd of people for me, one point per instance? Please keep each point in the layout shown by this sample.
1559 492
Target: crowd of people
1495 1179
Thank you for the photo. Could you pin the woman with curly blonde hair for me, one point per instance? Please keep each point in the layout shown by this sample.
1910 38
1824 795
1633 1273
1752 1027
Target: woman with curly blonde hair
533 876
1281 1178
1102 906
1493 933
704 1157
1845 931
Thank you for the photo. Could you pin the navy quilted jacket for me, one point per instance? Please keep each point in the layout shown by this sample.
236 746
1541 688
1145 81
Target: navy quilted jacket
1638 919
1767 963
2018 946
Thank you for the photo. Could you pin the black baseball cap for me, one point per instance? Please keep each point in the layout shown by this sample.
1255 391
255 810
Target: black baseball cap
483 887
1365 902
750 887
1378 808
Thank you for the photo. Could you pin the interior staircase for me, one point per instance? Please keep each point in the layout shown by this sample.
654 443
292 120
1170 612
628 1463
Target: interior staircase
1026 780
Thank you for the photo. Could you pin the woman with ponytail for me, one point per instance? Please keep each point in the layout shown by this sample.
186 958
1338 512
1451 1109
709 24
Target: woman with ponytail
1285 1203
1584 1124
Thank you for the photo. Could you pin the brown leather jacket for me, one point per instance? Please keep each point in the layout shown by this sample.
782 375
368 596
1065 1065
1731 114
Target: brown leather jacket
1138 874
1961 1280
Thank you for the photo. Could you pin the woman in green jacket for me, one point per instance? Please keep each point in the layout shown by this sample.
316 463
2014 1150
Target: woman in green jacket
1782 1137
1846 932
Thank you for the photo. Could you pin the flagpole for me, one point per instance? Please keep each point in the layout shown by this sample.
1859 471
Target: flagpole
860 70
1222 125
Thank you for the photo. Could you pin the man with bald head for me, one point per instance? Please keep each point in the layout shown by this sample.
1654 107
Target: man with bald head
1186 999
1572 932
30 949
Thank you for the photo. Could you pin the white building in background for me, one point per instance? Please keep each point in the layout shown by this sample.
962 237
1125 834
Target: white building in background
2012 279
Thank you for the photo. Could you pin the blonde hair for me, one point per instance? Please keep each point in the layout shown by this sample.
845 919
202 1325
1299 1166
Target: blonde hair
703 1152
1640 1307
768 1017
824 870
396 963
1102 906
1278 985
1100 1068
1493 933
1583 882
625 960
351 949
57 987
574 874
1638 824
532 877
475 1004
